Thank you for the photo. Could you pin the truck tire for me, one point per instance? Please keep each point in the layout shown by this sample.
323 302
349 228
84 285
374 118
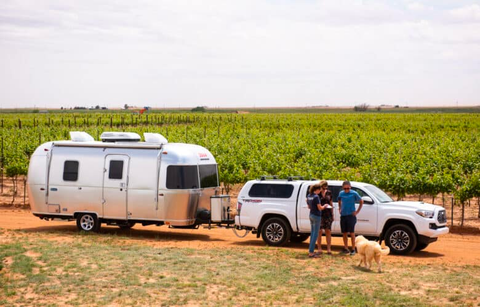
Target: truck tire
421 246
127 225
276 232
88 222
401 239
299 237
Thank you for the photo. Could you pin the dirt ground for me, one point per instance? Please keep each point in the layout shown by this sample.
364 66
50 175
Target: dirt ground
454 248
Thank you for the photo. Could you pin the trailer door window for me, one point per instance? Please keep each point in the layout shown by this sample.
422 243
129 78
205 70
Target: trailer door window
182 177
271 190
208 176
70 171
116 169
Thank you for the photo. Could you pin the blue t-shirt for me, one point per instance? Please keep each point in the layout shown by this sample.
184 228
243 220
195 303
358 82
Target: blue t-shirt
313 202
348 202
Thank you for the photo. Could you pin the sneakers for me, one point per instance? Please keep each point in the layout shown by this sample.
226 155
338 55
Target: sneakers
352 253
346 251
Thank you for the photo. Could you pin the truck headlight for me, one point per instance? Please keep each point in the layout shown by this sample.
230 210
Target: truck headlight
425 213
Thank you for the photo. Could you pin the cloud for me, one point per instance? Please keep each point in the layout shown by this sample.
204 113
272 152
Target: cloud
468 14
236 52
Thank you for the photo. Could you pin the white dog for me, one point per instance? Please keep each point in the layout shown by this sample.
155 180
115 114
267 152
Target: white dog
368 250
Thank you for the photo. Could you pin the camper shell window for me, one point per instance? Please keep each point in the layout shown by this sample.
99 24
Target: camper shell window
266 190
208 176
116 169
182 177
70 171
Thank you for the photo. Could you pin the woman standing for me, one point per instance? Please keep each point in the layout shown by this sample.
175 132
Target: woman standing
326 201
316 208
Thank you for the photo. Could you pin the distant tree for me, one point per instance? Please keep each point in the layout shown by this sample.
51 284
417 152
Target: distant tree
361 107
199 109
126 106
379 108
97 107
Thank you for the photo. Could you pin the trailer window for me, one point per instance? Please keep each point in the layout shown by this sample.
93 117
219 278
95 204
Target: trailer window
271 190
116 169
182 177
70 171
208 176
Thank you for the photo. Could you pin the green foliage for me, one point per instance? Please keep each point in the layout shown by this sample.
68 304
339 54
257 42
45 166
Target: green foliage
401 153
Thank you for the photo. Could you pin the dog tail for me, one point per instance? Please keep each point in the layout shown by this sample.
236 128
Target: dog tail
385 251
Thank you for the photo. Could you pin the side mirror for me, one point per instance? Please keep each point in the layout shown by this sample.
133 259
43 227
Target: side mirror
367 200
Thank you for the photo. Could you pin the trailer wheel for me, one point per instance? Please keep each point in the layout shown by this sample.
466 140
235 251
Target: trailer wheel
276 232
128 225
299 237
88 222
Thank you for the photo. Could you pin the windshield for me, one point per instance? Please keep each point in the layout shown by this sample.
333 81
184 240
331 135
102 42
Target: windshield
378 194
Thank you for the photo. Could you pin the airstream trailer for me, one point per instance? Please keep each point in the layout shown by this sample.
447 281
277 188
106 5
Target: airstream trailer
122 181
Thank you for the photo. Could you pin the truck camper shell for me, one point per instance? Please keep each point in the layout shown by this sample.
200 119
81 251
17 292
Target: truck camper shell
123 181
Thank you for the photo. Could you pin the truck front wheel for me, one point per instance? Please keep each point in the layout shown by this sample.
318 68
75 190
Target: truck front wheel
88 222
276 232
401 239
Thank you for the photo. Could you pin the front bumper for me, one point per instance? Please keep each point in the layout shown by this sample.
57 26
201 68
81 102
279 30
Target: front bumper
435 233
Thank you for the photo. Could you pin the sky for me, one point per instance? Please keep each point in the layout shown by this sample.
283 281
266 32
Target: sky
244 53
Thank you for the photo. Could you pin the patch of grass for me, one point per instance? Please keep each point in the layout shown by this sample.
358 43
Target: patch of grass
102 270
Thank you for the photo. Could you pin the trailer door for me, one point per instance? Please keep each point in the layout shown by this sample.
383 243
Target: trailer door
115 186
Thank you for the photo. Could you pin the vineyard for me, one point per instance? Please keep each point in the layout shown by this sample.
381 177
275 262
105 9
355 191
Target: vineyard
422 154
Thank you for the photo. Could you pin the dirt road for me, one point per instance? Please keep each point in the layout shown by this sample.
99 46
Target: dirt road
454 249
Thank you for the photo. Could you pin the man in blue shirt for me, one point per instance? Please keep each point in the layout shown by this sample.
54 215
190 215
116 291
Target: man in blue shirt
348 214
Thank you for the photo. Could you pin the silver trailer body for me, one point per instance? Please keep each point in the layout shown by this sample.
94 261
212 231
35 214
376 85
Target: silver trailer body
120 182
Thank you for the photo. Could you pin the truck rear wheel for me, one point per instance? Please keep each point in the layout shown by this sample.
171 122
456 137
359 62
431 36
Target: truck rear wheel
276 232
401 239
299 237
88 222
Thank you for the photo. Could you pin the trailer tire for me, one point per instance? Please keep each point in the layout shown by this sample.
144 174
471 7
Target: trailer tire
128 225
88 222
299 237
276 232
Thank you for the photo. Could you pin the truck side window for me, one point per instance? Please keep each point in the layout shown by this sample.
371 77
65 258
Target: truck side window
116 169
271 190
70 171
335 191
360 192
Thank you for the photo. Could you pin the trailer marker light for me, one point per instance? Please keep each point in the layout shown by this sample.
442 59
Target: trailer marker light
164 152
45 149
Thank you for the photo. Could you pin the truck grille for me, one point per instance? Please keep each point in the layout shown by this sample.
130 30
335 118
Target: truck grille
442 216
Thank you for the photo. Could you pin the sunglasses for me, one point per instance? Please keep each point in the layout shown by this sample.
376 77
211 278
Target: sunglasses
346 188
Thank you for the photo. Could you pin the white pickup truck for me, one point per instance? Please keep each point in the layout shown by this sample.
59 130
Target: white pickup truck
277 210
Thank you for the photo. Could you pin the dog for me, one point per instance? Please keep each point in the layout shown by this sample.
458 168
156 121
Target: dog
369 250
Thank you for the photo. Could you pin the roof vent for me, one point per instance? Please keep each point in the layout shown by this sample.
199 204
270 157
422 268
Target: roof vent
80 136
120 137
155 138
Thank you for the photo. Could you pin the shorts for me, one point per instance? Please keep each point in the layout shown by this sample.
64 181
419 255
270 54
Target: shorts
347 223
326 222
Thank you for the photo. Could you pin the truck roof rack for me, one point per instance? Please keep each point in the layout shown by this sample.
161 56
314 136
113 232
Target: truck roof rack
289 178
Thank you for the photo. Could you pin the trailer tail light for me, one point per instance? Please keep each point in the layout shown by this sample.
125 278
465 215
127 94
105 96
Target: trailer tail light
239 207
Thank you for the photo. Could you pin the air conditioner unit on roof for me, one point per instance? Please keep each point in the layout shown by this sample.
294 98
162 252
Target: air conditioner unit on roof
120 137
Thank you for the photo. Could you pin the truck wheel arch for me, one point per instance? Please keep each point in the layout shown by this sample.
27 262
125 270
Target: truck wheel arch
267 216
389 223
